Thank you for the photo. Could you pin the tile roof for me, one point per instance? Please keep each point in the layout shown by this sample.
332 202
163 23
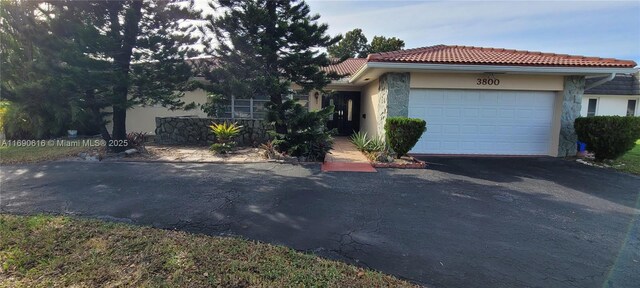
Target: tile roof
443 54
622 84
346 67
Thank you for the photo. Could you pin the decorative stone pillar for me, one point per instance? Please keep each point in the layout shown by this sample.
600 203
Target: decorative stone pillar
571 105
393 97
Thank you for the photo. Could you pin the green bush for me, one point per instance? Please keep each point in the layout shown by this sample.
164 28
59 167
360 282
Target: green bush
361 140
307 134
376 145
45 120
225 133
366 144
608 137
403 133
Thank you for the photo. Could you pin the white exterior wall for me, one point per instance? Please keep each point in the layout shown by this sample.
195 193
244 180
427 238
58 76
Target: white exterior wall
610 105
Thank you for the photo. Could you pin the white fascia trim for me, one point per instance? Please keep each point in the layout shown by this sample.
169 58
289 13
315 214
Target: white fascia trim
489 68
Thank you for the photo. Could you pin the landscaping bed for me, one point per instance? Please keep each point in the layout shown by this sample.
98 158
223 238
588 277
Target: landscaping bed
197 154
53 251
629 162
405 162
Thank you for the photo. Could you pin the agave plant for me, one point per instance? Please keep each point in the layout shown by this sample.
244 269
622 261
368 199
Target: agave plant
376 144
225 132
361 140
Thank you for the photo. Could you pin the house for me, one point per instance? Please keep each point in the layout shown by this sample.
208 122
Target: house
475 100
619 97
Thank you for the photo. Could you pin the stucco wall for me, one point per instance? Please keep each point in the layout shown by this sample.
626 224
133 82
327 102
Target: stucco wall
369 107
469 81
610 105
143 119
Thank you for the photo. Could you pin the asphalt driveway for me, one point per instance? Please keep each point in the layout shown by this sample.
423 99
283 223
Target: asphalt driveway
464 222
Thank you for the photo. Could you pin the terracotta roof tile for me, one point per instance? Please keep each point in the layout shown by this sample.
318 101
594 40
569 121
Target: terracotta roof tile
443 54
346 67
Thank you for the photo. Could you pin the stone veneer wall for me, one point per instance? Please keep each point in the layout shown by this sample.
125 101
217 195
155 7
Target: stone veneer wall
196 131
393 97
571 105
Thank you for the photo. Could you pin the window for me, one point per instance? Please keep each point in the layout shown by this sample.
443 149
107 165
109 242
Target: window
631 107
350 110
301 98
252 108
591 109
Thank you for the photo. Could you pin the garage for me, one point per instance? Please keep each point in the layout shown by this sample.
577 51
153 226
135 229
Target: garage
491 122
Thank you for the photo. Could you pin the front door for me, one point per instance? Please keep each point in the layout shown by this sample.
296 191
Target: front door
346 114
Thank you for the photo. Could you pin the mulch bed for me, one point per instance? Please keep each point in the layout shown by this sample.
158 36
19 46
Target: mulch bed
406 162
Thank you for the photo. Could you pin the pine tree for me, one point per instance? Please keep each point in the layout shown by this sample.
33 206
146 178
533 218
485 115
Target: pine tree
263 46
100 53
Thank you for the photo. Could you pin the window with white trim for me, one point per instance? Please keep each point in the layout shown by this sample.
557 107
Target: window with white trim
593 105
631 107
243 108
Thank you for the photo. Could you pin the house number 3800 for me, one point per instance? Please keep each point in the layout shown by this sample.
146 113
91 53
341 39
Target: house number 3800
488 81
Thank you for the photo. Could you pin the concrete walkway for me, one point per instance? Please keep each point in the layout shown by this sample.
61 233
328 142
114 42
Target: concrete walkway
346 157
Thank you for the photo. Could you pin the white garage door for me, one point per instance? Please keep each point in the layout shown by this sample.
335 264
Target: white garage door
483 121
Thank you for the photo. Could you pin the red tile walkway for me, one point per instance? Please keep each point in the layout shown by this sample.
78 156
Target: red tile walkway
345 157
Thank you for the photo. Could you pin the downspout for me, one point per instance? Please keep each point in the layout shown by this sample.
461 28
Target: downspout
601 81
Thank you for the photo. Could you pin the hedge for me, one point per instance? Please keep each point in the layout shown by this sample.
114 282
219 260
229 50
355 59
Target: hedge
608 137
403 133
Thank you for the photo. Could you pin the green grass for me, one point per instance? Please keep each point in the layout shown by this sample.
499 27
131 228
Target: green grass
14 154
46 251
630 162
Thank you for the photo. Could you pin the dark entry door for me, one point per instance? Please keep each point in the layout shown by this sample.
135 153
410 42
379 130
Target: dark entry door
346 115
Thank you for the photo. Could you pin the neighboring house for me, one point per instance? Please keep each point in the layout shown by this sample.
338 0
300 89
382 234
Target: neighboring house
618 97
474 100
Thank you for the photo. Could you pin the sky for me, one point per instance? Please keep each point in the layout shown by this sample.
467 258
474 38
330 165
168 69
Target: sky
609 29
590 28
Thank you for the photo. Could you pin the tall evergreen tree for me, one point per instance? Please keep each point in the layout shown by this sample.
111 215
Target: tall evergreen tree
110 53
263 46
353 44
154 35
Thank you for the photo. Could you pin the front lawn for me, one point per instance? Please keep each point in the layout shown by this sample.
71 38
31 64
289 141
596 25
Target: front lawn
631 161
58 251
15 154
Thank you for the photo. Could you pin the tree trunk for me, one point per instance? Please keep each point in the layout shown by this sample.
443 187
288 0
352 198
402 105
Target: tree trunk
122 63
272 65
97 114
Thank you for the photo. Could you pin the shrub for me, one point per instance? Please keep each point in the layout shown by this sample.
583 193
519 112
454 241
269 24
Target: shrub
136 140
4 105
45 120
225 133
360 140
377 145
306 131
608 137
403 133
269 151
